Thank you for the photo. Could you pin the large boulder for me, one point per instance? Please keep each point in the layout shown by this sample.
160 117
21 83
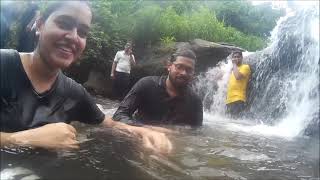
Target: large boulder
98 84
208 55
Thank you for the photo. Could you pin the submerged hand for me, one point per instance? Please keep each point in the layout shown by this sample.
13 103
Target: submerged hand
160 129
156 141
51 136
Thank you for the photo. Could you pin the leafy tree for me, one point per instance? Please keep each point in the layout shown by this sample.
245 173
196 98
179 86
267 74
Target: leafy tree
151 22
256 20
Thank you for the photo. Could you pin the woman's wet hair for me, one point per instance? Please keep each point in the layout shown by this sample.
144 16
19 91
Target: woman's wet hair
56 5
184 53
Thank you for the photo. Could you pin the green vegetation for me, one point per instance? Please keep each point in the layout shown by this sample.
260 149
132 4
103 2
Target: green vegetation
150 22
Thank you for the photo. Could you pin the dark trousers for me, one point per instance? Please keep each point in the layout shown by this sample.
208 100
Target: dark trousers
121 84
235 109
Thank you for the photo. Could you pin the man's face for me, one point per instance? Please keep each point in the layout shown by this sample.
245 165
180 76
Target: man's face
181 72
237 58
128 49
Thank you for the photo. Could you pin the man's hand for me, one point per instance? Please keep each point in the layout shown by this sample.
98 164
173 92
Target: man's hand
154 140
234 61
151 139
112 76
51 136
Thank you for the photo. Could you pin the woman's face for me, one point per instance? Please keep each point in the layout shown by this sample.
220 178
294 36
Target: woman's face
62 37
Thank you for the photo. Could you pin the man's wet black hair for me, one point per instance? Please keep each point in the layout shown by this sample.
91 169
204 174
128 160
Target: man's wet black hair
237 52
54 6
184 53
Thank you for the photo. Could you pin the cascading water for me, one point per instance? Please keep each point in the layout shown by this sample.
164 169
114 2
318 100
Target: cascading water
284 86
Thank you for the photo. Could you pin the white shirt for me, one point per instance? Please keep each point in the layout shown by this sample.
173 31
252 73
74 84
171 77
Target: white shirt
123 62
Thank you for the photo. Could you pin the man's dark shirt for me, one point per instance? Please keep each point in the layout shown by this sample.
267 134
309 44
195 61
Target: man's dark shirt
23 108
154 105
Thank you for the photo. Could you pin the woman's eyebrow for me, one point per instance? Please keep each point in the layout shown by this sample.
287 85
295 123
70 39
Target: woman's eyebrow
71 19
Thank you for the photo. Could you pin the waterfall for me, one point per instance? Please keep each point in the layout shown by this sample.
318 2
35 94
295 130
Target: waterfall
283 93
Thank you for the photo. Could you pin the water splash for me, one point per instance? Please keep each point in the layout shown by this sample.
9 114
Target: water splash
284 87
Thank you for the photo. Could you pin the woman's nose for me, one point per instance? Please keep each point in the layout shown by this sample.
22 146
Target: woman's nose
73 35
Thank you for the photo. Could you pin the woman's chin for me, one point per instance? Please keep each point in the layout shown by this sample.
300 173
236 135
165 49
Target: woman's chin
62 64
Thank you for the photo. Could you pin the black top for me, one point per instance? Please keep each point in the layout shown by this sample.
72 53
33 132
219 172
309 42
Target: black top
154 105
23 108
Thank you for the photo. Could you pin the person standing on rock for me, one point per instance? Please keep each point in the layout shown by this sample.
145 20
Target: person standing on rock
38 101
237 86
120 72
167 99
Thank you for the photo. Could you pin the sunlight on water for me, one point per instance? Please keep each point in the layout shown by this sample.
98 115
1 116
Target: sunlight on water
264 130
23 173
246 126
109 112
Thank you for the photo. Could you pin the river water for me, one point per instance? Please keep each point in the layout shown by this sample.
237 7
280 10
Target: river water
218 150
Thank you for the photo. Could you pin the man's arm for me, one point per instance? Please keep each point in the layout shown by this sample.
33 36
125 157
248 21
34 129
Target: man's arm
114 65
132 60
154 139
130 103
50 136
6 139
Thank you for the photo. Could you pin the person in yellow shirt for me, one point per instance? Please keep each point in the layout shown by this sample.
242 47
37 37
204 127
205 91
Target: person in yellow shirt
237 86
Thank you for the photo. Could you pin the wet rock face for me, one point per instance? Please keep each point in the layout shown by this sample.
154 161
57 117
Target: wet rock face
313 129
152 61
98 84
208 53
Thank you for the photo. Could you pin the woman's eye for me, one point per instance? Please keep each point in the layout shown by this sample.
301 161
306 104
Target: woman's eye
65 25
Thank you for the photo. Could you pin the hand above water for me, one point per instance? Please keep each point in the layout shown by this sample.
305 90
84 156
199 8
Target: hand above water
53 136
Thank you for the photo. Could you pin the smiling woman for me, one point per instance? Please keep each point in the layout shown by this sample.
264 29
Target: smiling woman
63 33
37 107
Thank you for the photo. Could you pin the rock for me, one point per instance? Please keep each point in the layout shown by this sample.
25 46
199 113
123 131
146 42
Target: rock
210 53
98 84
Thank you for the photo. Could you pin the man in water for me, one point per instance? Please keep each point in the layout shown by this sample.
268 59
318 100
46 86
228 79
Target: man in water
120 72
237 86
164 99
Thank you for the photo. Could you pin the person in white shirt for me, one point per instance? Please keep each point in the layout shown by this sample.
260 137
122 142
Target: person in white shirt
120 72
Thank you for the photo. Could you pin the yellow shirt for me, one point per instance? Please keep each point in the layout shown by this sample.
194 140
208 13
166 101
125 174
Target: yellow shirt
237 89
